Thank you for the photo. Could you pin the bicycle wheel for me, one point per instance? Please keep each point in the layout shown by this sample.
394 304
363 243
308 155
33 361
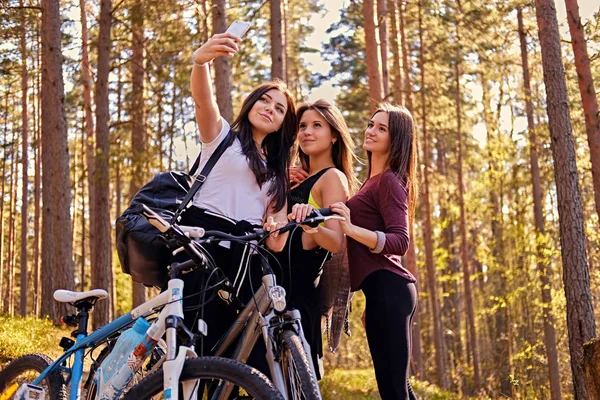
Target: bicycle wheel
251 383
24 370
300 380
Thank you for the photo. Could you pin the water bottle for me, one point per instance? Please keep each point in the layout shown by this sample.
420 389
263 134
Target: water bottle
120 365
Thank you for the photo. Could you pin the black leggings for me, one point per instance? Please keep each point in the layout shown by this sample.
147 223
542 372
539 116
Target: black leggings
391 304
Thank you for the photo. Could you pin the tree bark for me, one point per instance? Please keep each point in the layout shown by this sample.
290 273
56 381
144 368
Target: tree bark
102 273
580 312
591 354
432 283
396 90
57 250
138 123
24 167
222 65
37 193
278 60
407 85
86 78
588 93
372 54
383 45
543 264
464 252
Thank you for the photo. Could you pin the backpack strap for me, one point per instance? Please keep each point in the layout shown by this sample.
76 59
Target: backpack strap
201 177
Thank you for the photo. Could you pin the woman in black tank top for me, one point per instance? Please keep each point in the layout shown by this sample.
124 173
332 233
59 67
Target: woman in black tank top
325 152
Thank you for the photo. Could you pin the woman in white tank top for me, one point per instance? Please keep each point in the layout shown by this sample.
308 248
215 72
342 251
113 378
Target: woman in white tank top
249 182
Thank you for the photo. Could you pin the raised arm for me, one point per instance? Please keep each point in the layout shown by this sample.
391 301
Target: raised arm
208 117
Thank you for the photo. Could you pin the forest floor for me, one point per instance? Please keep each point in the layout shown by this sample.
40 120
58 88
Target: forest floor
20 336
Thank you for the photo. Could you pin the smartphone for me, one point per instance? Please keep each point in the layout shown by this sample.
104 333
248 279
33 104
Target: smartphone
238 28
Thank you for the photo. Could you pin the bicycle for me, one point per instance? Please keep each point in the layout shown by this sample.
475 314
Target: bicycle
34 376
287 352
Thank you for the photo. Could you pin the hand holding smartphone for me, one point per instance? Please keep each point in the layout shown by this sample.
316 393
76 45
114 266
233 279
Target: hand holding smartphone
238 28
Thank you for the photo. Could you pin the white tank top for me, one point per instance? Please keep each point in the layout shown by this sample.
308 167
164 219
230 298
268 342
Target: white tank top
231 188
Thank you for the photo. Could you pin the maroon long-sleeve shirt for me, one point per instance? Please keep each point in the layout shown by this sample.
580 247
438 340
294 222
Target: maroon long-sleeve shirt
380 205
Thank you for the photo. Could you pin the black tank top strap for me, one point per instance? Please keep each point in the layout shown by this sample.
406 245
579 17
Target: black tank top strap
300 193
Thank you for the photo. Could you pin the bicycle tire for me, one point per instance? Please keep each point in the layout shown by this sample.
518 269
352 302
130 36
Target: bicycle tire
251 380
300 380
16 373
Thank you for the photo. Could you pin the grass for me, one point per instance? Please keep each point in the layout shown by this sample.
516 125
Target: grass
20 336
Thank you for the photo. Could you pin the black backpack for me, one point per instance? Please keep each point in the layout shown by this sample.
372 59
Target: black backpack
142 253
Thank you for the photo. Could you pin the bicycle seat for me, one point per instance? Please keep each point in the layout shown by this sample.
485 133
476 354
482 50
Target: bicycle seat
66 296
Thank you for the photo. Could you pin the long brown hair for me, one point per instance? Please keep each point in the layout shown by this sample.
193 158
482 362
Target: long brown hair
276 146
403 150
342 151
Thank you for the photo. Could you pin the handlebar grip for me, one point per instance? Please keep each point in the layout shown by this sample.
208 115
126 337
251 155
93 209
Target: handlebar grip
153 218
321 212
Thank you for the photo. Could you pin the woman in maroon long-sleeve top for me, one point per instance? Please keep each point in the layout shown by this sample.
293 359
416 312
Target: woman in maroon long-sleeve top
376 225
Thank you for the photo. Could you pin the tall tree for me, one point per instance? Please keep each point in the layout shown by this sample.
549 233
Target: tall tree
461 204
396 91
588 94
88 137
24 164
102 273
138 123
382 11
57 238
372 56
580 312
543 264
278 64
432 282
222 65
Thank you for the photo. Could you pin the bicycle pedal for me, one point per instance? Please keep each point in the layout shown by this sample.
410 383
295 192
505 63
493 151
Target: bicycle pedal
27 391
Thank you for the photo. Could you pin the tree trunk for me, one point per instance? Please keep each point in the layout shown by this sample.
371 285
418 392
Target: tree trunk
580 312
138 125
588 93
372 54
407 85
497 282
12 225
432 283
102 274
543 264
418 367
396 91
591 364
24 167
383 45
2 236
90 146
464 252
222 65
57 251
278 60
37 193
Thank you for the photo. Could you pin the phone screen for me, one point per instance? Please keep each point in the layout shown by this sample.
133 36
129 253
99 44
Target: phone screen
238 28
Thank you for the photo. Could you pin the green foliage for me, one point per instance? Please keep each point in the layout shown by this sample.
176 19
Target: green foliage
20 336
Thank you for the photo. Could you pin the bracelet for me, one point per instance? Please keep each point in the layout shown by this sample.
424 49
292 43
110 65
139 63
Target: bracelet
311 230
197 64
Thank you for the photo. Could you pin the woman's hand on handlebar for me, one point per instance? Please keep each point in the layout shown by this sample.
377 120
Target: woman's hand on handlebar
342 210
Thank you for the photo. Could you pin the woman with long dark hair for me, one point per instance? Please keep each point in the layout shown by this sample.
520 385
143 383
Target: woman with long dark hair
325 152
247 186
376 223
